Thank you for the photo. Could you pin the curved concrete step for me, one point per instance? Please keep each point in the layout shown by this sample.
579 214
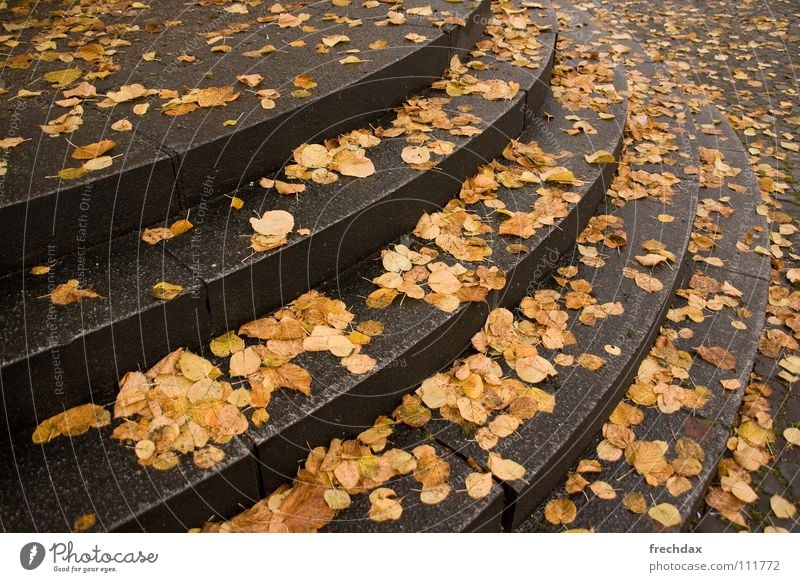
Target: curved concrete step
418 340
738 230
709 425
227 283
169 163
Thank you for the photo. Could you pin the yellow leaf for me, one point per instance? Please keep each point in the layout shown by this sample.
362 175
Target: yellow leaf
226 344
98 163
635 502
478 485
166 291
275 223
194 367
792 436
600 157
63 77
415 154
559 175
505 469
560 511
603 490
71 173
782 508
245 362
337 499
666 514
385 505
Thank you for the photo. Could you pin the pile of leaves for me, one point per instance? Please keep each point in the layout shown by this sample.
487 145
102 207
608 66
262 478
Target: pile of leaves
459 82
476 395
323 163
447 285
186 404
513 36
332 475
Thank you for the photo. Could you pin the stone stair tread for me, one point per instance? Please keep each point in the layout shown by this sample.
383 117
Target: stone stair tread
39 209
175 156
56 356
229 284
297 420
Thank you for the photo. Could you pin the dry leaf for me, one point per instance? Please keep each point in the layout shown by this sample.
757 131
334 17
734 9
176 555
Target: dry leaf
478 485
782 508
717 356
166 291
84 522
666 514
505 469
68 292
635 502
560 511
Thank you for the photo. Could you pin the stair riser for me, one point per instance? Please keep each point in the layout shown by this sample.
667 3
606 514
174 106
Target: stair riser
45 218
221 493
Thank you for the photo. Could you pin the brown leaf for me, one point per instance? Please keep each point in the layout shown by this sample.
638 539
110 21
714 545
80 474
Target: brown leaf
560 511
717 356
166 291
93 150
69 292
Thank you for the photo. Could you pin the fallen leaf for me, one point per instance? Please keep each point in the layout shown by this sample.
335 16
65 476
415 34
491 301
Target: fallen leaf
337 499
782 508
666 514
69 292
600 157
478 485
717 356
560 511
635 502
166 291
505 469
385 505
84 522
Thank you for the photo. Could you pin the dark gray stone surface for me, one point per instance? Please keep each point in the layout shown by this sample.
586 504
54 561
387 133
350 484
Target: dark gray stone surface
45 487
215 158
610 515
46 217
56 356
141 189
